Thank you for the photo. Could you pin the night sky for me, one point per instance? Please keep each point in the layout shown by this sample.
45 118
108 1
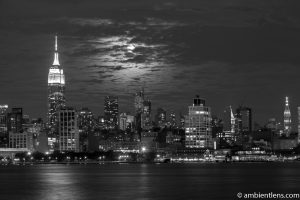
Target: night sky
229 52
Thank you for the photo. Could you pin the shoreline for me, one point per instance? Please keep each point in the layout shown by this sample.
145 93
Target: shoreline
118 162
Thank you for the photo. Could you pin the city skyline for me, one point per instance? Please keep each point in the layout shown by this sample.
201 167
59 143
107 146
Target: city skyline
97 58
149 99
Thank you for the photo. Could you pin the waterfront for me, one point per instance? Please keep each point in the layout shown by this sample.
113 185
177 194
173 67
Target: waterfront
147 181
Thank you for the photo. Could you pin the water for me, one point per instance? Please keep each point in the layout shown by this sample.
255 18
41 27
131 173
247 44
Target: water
147 181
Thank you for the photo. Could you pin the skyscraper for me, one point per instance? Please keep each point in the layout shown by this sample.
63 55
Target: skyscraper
56 89
244 119
138 108
85 121
146 115
14 120
86 126
172 119
111 112
139 101
68 130
3 120
122 121
126 121
161 117
287 119
198 125
228 120
3 108
3 126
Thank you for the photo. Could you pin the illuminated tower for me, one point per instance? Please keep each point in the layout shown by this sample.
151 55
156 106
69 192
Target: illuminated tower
139 108
287 120
56 89
229 120
198 125
232 121
111 112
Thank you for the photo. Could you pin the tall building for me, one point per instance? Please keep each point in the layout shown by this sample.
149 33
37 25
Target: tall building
181 120
14 120
126 122
172 119
3 126
228 120
244 119
287 118
161 117
139 101
85 120
68 133
138 108
3 108
146 115
111 112
123 121
3 119
198 132
86 124
56 89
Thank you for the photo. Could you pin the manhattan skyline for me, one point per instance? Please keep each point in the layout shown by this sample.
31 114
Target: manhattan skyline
231 54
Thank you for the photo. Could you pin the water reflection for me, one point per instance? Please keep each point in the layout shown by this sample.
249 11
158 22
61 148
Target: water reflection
59 182
146 181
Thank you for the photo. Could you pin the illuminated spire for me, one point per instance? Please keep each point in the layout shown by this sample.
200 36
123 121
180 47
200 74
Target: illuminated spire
287 120
56 61
232 120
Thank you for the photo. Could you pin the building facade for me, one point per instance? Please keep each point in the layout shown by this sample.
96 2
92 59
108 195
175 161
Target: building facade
198 132
14 120
146 115
68 130
243 119
111 112
138 109
229 120
21 140
3 126
56 90
161 118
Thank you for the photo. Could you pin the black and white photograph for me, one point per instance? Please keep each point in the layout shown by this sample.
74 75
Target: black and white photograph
149 99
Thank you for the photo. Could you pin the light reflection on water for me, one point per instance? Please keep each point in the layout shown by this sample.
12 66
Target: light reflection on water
146 181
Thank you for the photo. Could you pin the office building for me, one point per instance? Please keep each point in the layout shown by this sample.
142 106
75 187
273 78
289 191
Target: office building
139 108
68 130
56 90
111 112
244 119
21 140
161 118
229 120
15 120
198 133
146 115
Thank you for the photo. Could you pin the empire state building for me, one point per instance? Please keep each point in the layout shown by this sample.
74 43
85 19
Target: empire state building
56 89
